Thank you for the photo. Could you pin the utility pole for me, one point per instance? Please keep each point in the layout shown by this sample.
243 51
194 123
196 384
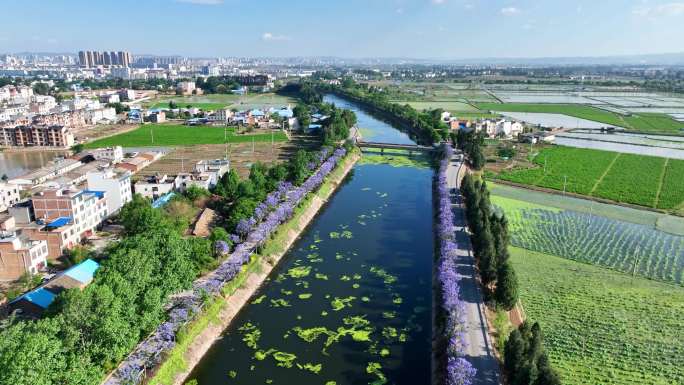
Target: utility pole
565 182
252 144
152 133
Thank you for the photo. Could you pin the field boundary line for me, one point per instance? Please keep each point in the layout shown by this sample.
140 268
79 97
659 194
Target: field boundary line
660 183
600 179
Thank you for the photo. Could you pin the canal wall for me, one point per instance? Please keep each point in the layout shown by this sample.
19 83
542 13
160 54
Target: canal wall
213 325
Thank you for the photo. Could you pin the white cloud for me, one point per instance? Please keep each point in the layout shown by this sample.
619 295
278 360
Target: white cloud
201 2
438 1
510 11
268 36
669 9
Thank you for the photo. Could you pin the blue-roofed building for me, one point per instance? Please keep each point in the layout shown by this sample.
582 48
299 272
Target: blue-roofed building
257 113
34 303
285 112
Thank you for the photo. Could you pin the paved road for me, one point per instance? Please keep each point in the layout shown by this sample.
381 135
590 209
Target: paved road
480 352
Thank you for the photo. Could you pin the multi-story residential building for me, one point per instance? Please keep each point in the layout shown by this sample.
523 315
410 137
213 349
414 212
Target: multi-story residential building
20 255
37 135
68 215
9 195
154 186
223 115
115 183
71 119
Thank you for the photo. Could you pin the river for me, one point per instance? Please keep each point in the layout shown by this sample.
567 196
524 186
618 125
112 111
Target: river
350 303
372 129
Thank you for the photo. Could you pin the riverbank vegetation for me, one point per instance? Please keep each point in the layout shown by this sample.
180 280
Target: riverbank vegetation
602 326
451 329
626 178
428 126
490 239
86 333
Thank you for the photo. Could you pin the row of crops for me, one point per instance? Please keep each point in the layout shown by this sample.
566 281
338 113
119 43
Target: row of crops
628 178
627 247
602 326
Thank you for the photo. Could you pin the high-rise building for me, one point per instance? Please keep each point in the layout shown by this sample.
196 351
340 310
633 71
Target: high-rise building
90 59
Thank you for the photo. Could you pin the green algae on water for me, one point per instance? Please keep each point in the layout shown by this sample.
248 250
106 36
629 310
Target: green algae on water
340 303
259 300
299 271
280 303
305 296
321 276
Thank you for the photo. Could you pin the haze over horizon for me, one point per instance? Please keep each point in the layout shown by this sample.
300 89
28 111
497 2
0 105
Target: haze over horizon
421 29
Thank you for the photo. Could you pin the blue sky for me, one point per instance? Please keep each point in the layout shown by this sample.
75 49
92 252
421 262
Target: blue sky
349 28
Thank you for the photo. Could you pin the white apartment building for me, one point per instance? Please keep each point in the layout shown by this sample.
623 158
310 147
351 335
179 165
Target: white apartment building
186 88
223 115
98 115
115 184
9 195
155 186
113 154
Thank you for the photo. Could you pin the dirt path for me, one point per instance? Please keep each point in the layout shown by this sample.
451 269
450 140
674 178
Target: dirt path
599 180
199 347
660 183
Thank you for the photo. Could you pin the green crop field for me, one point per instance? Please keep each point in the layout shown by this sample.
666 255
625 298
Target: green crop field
633 179
600 326
187 104
447 105
670 191
668 223
177 135
638 249
625 178
648 122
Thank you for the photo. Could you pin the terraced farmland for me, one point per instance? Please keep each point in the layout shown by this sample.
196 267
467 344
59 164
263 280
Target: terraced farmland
601 326
623 246
625 178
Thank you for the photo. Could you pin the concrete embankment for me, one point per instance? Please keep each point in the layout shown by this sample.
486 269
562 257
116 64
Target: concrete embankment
234 302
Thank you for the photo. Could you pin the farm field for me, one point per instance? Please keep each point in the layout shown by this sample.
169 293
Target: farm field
668 223
601 326
636 249
215 101
647 122
625 178
447 105
241 155
178 135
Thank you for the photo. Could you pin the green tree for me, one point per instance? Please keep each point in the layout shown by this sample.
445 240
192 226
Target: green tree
227 186
138 216
41 88
506 294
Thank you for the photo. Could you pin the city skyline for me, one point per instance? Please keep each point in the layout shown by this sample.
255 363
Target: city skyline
421 29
